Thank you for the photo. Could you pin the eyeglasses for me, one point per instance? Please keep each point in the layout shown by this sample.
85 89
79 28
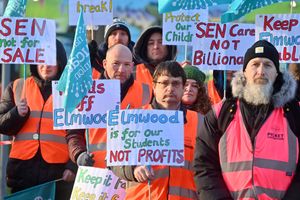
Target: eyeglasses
192 85
164 84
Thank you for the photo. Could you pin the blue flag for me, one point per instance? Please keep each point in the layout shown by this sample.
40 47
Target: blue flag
15 8
239 8
76 79
174 5
43 191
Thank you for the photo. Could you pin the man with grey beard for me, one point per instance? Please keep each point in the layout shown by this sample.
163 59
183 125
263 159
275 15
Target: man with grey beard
248 147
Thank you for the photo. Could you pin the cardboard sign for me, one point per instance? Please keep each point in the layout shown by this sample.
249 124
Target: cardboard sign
283 31
91 111
221 46
179 26
139 137
27 41
97 183
94 12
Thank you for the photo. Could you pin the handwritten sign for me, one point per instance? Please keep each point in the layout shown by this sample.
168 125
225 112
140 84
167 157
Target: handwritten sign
94 12
138 137
91 111
221 46
97 183
27 40
282 31
179 26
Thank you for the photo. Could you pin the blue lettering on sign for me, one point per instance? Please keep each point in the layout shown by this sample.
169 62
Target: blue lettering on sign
78 118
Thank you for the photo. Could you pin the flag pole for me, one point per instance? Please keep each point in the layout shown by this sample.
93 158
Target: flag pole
87 139
149 182
24 76
224 84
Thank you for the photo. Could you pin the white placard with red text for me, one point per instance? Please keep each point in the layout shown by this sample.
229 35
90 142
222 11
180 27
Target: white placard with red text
27 41
219 46
99 184
94 12
145 137
283 31
91 111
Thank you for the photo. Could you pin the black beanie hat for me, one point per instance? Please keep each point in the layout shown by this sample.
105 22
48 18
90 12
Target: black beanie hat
116 25
262 49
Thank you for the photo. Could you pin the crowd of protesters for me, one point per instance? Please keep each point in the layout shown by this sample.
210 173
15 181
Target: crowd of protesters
240 142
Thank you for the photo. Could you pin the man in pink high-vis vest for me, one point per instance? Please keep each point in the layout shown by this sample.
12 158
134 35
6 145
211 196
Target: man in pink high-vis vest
248 148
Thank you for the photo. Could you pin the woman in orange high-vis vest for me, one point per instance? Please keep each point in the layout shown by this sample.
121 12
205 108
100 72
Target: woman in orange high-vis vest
38 154
166 182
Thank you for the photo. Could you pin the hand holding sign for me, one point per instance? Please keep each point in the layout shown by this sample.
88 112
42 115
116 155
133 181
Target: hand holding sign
22 108
142 173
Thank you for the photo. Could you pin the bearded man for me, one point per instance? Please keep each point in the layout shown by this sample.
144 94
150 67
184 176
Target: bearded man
248 147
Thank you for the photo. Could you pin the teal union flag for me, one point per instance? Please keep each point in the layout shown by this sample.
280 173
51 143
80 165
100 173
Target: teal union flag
76 79
239 8
174 5
44 191
15 8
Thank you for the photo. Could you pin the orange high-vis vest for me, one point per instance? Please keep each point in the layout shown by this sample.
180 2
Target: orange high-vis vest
172 183
137 96
143 75
212 92
38 130
263 171
95 74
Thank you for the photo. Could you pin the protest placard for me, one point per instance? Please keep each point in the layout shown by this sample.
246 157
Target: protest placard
91 111
99 184
282 30
221 46
27 41
139 137
94 12
179 26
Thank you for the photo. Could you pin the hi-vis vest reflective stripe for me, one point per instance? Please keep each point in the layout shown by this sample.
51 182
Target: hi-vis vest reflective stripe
143 75
172 183
137 96
265 170
38 130
212 92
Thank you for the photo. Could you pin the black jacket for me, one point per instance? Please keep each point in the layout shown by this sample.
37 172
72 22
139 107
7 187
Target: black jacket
140 48
208 175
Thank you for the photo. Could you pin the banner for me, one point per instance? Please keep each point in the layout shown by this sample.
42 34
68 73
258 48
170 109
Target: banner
145 137
221 46
43 191
15 8
76 78
99 184
91 111
179 26
27 40
94 12
283 31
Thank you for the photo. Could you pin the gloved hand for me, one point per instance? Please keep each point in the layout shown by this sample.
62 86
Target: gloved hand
85 159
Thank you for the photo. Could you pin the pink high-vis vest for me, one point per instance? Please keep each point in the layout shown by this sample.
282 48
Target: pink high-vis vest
262 171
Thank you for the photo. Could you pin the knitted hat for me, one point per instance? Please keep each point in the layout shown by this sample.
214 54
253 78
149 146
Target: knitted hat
262 49
117 24
194 73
